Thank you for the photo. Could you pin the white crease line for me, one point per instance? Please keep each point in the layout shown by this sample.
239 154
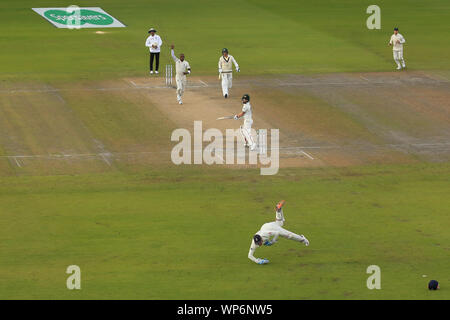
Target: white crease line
105 159
364 78
419 144
204 83
17 162
306 154
293 84
299 149
286 84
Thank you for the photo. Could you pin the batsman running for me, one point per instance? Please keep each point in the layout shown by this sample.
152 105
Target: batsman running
182 68
246 129
226 71
269 233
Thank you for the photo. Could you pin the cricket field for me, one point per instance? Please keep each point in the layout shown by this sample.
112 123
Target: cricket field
87 179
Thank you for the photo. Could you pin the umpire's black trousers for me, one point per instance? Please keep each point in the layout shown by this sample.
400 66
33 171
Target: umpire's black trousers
154 55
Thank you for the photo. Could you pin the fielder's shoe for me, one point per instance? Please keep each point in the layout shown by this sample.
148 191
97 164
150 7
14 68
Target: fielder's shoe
403 65
151 72
180 102
226 95
156 72
280 205
399 67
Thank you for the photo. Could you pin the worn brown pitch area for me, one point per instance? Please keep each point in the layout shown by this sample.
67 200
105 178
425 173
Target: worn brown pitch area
336 119
324 120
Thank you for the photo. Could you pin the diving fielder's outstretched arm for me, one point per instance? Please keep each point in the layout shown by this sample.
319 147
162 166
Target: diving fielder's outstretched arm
252 257
251 252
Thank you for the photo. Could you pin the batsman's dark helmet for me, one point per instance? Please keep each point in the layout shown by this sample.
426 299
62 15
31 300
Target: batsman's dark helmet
433 285
246 97
257 238
224 50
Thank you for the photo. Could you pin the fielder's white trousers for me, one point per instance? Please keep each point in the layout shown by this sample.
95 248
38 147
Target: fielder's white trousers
398 57
227 82
275 226
246 131
181 85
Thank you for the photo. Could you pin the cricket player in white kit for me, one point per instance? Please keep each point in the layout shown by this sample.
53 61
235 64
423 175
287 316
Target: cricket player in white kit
397 42
246 129
269 233
226 71
182 68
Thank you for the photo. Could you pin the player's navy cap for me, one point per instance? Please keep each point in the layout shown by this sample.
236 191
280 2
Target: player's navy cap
151 29
433 285
395 29
257 238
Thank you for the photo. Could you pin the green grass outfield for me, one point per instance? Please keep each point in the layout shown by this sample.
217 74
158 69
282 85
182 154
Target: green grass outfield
266 37
185 234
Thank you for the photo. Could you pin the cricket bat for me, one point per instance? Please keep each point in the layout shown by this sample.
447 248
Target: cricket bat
225 118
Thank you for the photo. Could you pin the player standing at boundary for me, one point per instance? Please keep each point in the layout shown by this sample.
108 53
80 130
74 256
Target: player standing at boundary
182 68
226 71
269 233
397 42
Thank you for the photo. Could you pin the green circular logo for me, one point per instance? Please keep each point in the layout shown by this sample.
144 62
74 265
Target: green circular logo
78 18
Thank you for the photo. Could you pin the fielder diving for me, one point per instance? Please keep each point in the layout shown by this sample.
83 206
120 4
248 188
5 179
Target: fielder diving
269 233
246 129
182 68
226 71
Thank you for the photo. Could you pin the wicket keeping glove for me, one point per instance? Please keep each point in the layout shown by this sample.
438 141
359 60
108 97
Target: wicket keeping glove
263 261
268 243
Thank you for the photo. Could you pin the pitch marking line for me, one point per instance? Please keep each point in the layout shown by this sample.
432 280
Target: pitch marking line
286 84
204 83
17 162
297 150
103 156
306 154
